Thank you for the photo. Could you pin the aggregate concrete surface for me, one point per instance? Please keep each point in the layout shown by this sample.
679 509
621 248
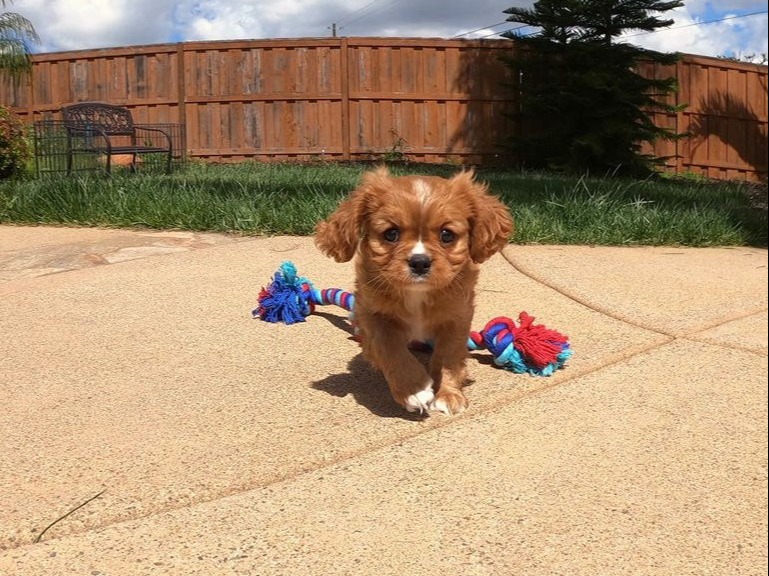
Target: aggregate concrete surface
150 426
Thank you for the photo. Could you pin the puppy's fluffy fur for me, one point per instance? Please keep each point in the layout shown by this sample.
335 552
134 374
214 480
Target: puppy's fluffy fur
418 242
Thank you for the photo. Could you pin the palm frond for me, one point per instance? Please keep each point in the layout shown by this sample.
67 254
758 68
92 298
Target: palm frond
14 25
17 35
14 56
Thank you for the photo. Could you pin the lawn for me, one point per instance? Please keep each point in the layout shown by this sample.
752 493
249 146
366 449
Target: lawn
261 198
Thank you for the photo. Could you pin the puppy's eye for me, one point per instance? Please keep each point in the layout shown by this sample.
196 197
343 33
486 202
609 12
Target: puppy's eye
447 236
392 234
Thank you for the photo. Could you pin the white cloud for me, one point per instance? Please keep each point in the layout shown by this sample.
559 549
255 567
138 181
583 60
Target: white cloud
222 20
80 24
690 34
215 21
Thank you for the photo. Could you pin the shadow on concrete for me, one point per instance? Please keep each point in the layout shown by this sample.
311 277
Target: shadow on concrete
369 389
366 384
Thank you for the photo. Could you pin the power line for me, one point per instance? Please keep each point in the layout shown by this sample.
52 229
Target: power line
361 9
698 23
682 25
503 31
363 14
479 29
336 25
377 9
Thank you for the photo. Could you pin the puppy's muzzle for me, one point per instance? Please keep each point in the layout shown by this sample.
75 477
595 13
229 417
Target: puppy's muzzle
420 264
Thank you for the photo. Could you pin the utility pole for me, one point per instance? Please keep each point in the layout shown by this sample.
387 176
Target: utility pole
333 29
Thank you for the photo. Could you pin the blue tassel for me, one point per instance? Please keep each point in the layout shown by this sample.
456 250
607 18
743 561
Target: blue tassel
286 298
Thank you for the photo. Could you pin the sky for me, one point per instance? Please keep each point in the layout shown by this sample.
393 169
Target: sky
65 25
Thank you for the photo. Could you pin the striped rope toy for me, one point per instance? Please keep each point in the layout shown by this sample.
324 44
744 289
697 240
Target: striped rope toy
523 348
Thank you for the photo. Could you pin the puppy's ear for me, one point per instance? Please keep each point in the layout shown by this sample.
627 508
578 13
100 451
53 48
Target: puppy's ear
339 234
490 222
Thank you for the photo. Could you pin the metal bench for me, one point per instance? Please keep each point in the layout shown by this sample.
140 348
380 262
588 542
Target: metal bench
108 130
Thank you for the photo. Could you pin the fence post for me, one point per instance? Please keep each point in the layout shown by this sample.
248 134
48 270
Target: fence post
679 119
181 88
31 101
345 88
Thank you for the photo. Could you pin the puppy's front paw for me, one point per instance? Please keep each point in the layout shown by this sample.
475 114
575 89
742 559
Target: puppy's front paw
421 400
449 401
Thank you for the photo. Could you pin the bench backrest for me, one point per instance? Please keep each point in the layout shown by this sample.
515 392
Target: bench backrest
113 120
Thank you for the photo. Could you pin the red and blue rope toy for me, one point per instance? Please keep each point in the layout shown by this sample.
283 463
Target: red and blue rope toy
523 348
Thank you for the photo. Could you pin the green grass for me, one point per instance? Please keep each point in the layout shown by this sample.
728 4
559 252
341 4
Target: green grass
256 198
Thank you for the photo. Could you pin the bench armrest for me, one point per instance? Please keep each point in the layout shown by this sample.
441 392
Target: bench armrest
145 127
90 132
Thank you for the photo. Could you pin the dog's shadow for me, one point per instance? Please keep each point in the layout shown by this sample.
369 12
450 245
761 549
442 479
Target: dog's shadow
369 389
366 384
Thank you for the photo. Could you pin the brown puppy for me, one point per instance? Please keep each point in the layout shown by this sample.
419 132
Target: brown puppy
418 241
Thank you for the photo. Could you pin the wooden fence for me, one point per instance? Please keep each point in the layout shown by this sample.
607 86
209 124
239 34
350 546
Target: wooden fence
430 100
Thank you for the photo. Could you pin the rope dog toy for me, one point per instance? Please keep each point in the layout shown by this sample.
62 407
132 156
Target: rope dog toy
525 348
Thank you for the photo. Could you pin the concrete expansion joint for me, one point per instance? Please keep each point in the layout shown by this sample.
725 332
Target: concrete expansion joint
738 315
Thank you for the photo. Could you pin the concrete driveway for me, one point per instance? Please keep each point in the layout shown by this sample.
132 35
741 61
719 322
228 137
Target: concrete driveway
150 426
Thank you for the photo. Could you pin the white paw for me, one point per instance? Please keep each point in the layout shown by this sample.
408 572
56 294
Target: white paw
440 405
420 402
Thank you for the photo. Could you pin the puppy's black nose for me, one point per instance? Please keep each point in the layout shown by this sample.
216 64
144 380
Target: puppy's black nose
419 264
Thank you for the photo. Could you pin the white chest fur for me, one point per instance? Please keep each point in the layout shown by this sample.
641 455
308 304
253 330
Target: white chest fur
414 302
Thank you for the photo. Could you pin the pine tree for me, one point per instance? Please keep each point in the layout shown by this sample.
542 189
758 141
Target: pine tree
583 105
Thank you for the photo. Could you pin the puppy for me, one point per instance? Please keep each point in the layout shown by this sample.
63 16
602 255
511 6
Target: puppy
418 241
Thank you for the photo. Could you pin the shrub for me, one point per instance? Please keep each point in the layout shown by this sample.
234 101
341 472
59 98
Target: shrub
15 149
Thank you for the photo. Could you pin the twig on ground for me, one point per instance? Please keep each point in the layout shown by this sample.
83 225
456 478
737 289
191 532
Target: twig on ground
78 507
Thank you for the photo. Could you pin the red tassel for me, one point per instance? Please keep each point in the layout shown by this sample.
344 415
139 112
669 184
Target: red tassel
540 345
